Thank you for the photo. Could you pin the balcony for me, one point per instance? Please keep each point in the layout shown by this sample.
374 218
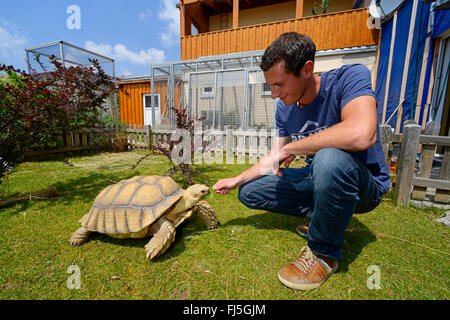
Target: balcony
335 30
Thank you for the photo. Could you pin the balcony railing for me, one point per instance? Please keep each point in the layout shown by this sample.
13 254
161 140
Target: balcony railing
329 31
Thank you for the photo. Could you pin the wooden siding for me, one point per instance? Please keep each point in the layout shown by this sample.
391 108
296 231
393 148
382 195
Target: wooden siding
329 31
131 100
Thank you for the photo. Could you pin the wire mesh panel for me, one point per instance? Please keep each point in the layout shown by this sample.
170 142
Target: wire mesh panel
38 57
218 97
238 98
261 104
39 60
225 90
202 97
231 85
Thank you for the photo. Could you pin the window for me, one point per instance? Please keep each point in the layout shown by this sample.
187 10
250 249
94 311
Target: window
224 21
207 92
266 91
147 100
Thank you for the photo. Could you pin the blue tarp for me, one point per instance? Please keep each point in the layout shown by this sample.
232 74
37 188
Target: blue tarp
440 24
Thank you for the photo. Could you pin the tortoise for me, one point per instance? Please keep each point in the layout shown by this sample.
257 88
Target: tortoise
143 206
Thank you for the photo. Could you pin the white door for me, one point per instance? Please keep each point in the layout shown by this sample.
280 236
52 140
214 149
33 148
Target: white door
148 109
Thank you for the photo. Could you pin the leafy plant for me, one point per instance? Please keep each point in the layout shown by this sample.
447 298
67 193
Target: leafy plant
324 6
119 139
187 170
34 106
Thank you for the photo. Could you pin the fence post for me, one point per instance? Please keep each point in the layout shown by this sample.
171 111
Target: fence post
406 164
229 145
426 159
263 143
441 194
240 145
386 139
149 137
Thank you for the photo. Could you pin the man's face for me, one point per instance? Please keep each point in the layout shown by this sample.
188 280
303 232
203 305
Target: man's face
286 86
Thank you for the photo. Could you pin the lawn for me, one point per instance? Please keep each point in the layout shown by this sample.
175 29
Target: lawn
240 260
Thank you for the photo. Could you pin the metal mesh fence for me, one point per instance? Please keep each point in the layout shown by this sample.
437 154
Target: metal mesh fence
38 58
233 97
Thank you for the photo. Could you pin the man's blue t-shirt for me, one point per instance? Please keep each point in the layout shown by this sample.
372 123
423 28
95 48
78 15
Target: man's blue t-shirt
337 88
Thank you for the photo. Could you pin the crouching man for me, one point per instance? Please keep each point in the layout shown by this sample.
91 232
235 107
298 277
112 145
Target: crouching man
332 119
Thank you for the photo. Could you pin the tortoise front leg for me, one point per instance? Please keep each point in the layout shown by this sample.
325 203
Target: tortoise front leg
79 237
207 215
164 235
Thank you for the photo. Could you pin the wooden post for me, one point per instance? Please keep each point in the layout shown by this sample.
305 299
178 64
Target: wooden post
406 164
253 146
422 74
388 76
69 140
229 145
299 9
148 136
240 148
182 19
426 159
406 65
235 14
431 84
84 139
263 143
386 139
441 194
76 139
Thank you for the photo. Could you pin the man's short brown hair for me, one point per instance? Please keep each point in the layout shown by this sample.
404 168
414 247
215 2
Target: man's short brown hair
294 48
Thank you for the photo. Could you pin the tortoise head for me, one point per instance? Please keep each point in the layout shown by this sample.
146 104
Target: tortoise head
195 193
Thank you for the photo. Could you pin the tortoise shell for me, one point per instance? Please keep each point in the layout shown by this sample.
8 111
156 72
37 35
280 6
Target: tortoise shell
131 206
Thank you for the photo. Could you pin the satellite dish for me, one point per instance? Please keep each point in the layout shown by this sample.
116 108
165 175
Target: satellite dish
375 10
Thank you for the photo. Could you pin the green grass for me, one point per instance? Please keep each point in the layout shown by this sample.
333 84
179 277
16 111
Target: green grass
240 260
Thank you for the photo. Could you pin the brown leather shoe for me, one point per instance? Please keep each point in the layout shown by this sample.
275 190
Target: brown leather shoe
307 272
302 230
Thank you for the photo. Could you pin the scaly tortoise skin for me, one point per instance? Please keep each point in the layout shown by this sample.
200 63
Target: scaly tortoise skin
143 206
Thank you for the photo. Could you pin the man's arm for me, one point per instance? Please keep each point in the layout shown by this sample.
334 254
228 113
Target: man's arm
357 131
261 168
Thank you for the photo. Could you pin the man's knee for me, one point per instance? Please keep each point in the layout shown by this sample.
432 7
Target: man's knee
332 164
244 195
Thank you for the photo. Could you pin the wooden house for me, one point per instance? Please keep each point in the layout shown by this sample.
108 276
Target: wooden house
227 26
216 32
135 100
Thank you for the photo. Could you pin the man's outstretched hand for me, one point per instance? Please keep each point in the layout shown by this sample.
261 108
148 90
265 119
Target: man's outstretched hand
270 164
225 185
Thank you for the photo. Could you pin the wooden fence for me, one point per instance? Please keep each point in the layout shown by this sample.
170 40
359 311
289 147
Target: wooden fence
234 142
74 142
412 156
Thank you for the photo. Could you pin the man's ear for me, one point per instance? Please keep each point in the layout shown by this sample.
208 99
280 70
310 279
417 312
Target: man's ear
308 69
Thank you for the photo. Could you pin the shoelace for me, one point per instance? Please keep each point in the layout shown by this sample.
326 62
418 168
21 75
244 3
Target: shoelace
305 260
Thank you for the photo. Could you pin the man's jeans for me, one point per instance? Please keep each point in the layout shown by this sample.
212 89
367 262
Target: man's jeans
328 192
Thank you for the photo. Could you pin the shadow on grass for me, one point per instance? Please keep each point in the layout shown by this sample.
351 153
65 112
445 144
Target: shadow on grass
176 248
84 189
357 235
